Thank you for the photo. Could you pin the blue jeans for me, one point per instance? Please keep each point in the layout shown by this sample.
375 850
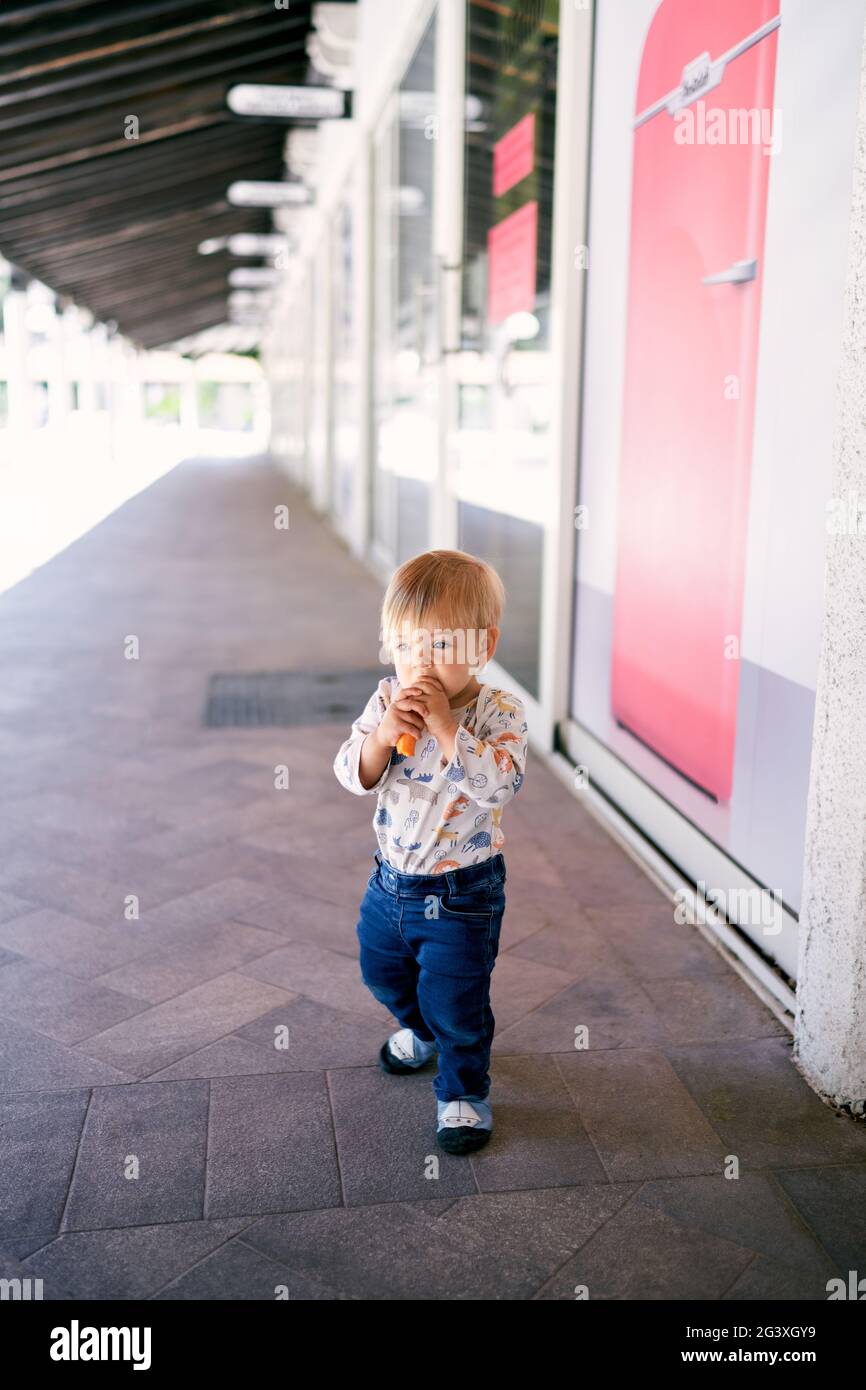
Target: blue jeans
428 947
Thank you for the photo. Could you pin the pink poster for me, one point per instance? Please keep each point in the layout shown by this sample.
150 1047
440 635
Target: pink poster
697 218
511 262
514 155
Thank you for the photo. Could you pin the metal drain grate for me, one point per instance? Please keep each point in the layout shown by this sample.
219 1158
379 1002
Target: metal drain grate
268 699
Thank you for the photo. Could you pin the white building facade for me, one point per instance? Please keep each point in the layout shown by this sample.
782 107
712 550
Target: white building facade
579 292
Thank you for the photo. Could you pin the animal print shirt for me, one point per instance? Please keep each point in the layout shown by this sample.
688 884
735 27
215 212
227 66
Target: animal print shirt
434 813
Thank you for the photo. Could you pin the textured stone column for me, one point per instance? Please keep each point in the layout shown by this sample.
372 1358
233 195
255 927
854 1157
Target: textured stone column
830 1042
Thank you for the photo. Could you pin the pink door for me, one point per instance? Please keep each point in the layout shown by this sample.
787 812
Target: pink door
695 275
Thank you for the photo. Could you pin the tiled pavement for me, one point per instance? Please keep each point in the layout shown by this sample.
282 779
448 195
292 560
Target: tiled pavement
156 1140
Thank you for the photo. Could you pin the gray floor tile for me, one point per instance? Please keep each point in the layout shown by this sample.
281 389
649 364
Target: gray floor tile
57 1004
239 1273
216 902
231 1056
519 986
751 1211
65 890
642 1120
654 946
711 1009
385 1128
205 951
769 1281
298 917
603 1011
81 948
270 1146
29 1061
390 1252
166 1032
643 1254
329 977
539 1139
763 1110
529 1235
59 809
141 1157
573 945
128 1262
39 1137
317 1037
27 1284
832 1203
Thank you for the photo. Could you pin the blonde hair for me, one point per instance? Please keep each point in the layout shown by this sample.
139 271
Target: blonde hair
458 589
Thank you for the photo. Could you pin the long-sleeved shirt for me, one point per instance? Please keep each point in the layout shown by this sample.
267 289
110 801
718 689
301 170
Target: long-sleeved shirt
435 813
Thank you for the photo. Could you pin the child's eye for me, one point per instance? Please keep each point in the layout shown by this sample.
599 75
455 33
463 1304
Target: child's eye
439 642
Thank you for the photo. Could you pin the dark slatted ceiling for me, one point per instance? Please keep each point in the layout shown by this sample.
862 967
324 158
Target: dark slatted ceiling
114 223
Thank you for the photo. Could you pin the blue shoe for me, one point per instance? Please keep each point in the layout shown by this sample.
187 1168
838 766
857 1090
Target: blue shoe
404 1052
463 1125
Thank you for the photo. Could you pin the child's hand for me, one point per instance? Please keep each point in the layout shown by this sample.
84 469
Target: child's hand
405 715
439 717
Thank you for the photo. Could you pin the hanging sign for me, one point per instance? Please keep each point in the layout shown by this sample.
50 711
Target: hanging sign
257 244
248 193
288 103
254 277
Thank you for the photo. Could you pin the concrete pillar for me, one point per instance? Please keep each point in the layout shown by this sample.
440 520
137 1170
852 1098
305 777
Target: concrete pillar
73 366
20 395
261 398
58 381
99 365
85 356
830 1039
189 403
133 385
123 368
114 371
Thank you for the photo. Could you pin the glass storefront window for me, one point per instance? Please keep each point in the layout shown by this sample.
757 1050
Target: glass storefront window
319 440
346 400
713 298
405 314
504 377
292 400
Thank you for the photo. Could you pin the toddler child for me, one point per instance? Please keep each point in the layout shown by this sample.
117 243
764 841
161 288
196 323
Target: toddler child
431 915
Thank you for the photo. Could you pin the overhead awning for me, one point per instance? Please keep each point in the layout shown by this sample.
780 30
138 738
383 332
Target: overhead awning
109 210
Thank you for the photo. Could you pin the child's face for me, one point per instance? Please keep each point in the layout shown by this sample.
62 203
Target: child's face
452 655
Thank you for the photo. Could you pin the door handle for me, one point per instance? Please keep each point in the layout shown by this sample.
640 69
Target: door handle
735 274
